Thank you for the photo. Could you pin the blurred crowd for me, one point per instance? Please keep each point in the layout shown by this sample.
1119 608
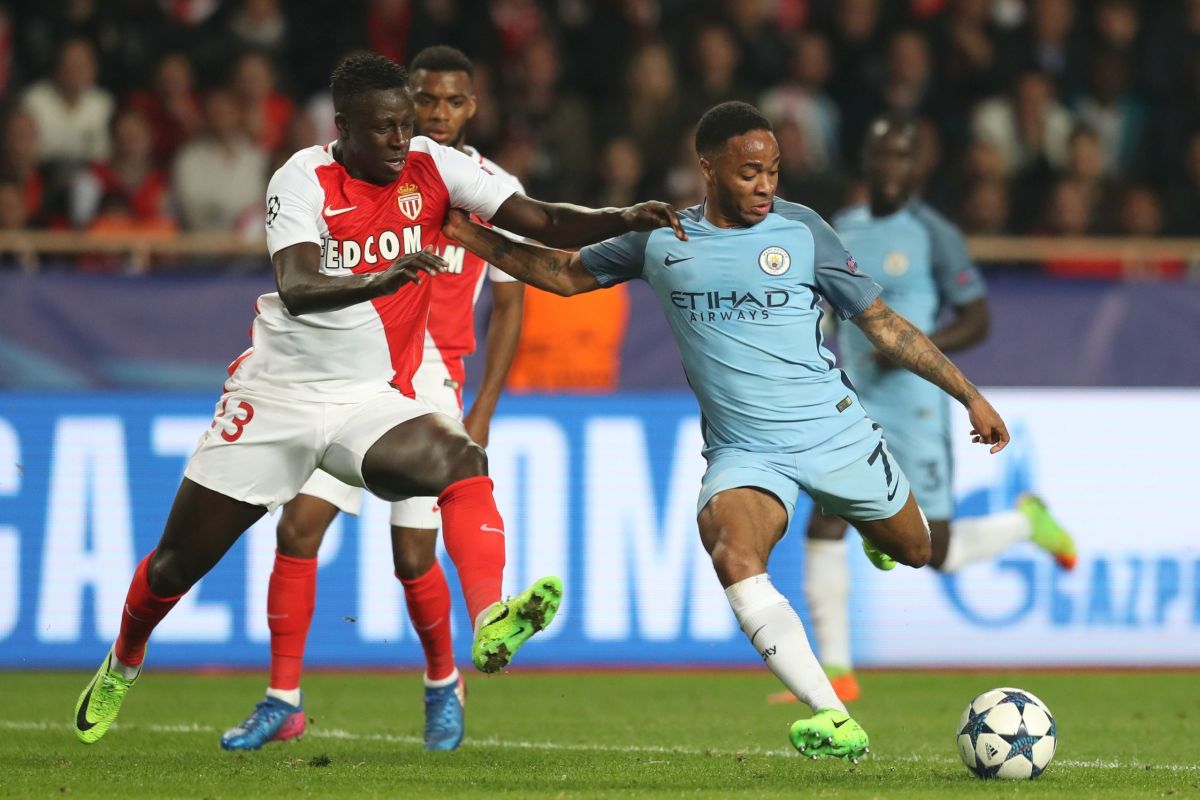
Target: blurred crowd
1058 117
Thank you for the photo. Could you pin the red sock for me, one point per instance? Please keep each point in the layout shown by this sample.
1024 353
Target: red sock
291 596
474 536
143 611
428 599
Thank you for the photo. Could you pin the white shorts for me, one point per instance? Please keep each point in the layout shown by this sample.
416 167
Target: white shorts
261 449
439 392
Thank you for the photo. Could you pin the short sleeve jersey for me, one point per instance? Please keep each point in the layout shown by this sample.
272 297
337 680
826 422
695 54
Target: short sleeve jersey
921 261
451 333
742 305
361 227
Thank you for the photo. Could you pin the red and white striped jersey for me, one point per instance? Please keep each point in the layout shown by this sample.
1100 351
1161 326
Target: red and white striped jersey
451 333
342 355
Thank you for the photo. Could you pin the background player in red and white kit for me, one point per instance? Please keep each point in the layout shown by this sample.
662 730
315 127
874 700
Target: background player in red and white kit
440 79
327 384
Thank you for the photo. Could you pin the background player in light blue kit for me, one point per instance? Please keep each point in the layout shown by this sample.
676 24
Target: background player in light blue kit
740 286
921 261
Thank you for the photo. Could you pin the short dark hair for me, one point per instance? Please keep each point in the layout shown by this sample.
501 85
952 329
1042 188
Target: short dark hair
724 121
442 58
364 72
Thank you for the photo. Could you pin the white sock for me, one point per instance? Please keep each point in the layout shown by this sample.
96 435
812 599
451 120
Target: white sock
446 681
981 538
119 667
289 696
827 587
774 628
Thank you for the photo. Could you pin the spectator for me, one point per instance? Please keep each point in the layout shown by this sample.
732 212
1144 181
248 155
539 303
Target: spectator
684 184
130 175
715 61
967 51
753 26
802 99
1069 209
650 108
117 219
986 207
1027 126
259 24
621 174
540 107
71 112
1113 112
1184 196
12 219
170 106
1141 212
858 68
264 110
801 180
1050 44
907 80
220 179
19 165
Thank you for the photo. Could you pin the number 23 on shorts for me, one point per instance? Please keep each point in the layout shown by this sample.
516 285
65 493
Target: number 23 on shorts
234 420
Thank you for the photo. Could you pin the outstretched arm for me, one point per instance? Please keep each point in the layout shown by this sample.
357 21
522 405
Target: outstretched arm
901 341
566 225
555 271
969 327
305 290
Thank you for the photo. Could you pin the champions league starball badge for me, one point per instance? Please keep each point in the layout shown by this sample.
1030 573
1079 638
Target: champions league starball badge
774 260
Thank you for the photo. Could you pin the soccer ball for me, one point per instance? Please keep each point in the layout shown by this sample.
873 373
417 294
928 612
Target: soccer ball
1007 733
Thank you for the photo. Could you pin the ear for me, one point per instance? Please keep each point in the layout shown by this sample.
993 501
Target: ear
706 169
472 107
339 120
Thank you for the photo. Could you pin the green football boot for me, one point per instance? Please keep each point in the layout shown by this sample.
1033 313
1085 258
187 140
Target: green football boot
830 733
508 624
1047 533
96 710
877 557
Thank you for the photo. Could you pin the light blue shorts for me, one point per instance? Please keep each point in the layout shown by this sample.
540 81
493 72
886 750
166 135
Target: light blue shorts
852 475
919 436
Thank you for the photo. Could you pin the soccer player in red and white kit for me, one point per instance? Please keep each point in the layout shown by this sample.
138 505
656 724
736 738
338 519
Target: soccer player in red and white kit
441 81
351 228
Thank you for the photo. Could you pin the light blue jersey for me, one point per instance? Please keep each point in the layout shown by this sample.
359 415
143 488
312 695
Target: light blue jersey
921 261
742 304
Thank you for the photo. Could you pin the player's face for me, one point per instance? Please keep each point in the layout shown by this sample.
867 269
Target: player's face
445 102
741 180
890 161
375 132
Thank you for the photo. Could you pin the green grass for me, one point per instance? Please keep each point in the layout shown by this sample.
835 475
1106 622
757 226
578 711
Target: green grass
537 735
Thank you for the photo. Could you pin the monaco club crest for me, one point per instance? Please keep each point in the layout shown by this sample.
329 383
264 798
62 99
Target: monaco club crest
408 197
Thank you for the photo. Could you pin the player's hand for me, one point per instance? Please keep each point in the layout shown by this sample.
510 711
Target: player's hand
986 425
411 268
651 215
478 425
452 226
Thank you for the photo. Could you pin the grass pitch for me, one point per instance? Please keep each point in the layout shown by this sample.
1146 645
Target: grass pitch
565 735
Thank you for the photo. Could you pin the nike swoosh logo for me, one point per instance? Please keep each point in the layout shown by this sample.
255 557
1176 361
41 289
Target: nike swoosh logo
840 724
81 720
276 616
670 262
892 493
502 616
498 530
330 211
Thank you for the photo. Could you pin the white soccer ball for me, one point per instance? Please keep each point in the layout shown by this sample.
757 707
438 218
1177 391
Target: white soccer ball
1007 733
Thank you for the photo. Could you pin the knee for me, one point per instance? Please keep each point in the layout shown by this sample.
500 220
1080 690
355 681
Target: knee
413 560
167 574
917 551
734 562
464 459
295 539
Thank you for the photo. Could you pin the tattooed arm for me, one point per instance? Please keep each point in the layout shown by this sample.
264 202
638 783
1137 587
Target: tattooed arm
555 271
901 341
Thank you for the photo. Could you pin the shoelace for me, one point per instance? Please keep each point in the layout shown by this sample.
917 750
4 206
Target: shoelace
443 716
103 700
263 712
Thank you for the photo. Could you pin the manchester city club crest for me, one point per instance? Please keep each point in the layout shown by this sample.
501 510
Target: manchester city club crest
774 260
408 197
896 263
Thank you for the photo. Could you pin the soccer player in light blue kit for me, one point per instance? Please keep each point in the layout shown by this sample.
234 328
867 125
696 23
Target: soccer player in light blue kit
739 282
921 261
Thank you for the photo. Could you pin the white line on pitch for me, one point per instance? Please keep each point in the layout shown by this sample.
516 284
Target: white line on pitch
338 733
